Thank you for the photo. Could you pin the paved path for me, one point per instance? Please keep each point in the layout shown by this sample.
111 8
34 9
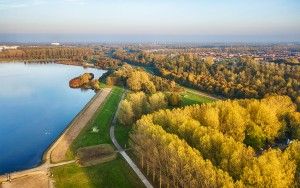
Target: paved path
124 154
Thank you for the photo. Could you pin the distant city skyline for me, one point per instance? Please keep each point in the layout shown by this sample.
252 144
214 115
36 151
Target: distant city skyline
142 20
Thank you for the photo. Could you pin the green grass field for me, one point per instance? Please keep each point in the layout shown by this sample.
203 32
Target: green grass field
111 174
122 134
190 98
115 173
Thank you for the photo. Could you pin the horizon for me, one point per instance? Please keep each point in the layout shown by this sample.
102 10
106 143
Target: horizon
85 21
43 38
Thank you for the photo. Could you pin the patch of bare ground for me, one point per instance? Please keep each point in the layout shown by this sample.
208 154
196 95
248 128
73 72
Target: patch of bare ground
34 180
93 155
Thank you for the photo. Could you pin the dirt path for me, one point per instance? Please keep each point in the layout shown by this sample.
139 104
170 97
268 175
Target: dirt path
59 149
124 154
39 176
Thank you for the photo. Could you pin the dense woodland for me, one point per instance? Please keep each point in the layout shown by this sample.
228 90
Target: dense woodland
233 143
136 79
233 78
137 104
63 54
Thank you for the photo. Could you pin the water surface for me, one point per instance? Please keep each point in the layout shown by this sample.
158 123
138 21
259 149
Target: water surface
36 105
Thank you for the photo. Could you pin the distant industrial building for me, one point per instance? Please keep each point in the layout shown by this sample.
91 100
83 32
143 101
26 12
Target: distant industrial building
55 44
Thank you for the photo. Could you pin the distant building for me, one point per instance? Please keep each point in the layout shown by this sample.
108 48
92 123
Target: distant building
55 44
8 47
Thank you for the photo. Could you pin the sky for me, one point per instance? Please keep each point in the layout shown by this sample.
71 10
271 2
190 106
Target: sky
212 20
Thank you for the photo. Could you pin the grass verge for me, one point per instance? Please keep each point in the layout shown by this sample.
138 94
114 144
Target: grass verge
114 173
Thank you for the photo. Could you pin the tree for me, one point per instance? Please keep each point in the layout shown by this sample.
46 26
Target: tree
139 104
293 153
174 99
294 125
125 115
157 101
272 169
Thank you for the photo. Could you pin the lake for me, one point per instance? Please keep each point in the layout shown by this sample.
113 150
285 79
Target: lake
36 105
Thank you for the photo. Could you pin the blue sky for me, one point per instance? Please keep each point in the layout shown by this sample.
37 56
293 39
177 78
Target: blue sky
262 18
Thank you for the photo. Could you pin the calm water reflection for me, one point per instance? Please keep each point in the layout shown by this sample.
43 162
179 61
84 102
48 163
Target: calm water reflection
36 105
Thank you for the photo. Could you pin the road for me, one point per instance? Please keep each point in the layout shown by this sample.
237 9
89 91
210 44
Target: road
124 154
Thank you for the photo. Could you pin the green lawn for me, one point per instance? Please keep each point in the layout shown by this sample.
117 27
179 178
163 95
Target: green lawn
122 134
112 174
115 173
189 98
101 121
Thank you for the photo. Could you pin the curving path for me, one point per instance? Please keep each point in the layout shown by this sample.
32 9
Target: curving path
124 154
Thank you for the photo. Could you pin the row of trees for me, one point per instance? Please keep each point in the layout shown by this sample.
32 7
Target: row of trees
137 104
136 79
66 55
233 78
47 53
228 135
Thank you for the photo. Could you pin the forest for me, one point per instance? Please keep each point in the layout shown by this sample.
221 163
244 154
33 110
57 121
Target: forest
243 77
62 54
136 79
233 143
229 143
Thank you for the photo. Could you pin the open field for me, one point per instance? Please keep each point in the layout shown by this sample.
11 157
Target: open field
190 98
111 174
99 175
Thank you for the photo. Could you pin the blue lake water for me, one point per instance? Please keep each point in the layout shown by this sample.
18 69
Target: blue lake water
36 105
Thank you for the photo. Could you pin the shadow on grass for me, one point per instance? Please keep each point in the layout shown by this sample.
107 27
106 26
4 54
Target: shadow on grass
115 173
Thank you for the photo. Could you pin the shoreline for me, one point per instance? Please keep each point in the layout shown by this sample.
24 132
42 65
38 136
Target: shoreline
75 124
46 163
46 152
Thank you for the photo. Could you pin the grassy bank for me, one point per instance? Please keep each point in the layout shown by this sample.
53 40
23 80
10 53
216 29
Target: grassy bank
115 173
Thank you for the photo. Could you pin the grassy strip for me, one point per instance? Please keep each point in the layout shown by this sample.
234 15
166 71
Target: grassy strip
115 173
189 98
101 121
122 134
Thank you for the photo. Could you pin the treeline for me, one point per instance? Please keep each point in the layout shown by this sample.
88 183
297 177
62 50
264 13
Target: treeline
136 79
66 55
137 104
232 78
44 53
239 143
